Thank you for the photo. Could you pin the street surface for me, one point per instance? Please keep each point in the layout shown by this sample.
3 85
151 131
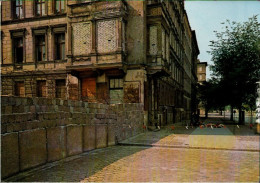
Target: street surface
173 154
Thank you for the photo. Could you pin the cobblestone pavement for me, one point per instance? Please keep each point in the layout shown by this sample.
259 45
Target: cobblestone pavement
229 137
163 160
155 164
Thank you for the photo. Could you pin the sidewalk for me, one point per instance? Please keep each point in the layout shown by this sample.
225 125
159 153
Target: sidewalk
230 137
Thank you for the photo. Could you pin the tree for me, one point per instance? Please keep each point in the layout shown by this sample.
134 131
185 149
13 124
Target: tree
236 57
210 95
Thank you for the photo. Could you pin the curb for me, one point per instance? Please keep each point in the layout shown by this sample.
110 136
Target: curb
187 147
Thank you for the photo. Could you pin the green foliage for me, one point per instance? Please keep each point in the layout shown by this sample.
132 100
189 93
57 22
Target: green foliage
236 57
211 94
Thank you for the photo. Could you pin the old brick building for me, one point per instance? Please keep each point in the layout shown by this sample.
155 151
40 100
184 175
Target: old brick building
104 51
201 71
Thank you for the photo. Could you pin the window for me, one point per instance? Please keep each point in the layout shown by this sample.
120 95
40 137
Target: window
61 88
17 9
200 77
116 91
60 6
19 89
40 54
60 46
116 83
40 7
41 88
18 50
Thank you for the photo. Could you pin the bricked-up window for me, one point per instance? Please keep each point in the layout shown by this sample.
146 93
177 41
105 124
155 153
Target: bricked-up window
40 48
60 46
40 7
18 50
17 6
61 88
19 89
59 6
41 88
106 36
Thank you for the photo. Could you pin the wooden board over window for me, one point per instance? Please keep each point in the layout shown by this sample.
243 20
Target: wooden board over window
102 92
61 88
19 89
41 88
88 89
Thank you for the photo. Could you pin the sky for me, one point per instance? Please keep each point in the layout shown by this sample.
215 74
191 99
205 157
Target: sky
206 16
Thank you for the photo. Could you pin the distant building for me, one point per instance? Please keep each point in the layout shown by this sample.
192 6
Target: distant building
202 75
201 71
101 51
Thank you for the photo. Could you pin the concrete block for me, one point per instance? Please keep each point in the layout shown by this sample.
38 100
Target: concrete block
3 128
9 154
101 136
4 101
89 137
111 135
8 109
74 140
33 151
56 143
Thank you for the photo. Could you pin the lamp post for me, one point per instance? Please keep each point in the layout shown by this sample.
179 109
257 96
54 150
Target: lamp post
258 109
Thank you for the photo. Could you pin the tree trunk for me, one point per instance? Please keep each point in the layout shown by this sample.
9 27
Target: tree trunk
206 113
231 114
251 119
241 117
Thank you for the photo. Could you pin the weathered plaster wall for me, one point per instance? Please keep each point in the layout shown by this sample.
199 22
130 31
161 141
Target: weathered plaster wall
136 32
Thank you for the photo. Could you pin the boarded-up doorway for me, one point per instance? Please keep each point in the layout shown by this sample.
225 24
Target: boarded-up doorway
88 89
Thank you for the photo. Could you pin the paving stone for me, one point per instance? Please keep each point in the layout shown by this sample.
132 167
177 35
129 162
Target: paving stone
142 164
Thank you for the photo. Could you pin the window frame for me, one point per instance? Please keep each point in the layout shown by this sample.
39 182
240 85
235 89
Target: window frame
39 92
36 45
15 34
13 10
57 46
56 89
41 2
55 7
119 87
15 88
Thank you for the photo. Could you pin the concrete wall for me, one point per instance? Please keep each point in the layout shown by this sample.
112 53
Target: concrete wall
35 131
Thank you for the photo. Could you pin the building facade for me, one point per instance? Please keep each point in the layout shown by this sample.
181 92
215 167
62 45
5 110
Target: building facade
101 51
202 75
201 71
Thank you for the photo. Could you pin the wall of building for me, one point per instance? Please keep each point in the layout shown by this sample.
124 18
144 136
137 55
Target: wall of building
128 40
35 131
201 71
136 32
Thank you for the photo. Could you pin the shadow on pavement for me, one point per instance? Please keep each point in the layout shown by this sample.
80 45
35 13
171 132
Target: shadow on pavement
78 169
